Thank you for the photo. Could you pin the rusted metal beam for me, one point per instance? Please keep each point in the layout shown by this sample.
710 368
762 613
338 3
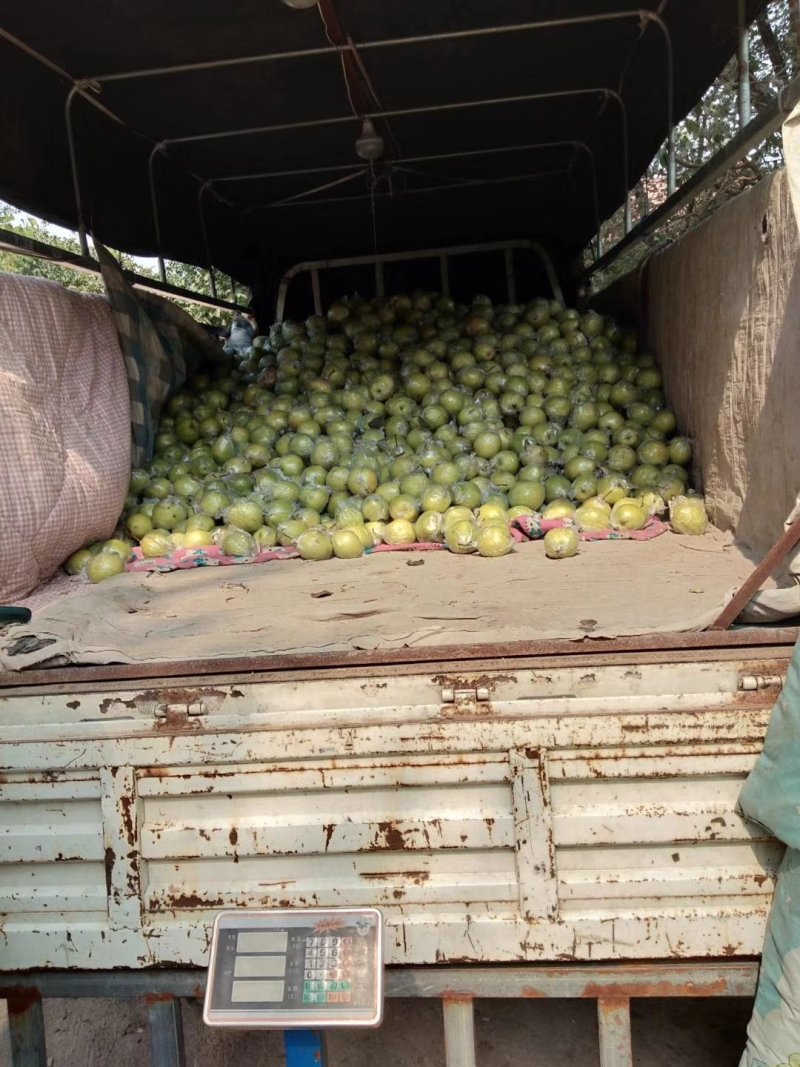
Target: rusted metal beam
614 1031
712 978
459 1032
770 563
166 1032
26 1029
782 638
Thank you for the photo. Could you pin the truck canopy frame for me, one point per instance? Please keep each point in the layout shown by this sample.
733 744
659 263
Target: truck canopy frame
186 144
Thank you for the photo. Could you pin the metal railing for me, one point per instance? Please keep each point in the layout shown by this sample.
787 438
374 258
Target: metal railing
612 986
313 267
28 246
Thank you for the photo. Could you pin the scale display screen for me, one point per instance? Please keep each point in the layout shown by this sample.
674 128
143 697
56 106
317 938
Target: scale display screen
313 967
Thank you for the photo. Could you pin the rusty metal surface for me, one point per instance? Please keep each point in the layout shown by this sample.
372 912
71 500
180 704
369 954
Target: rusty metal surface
713 978
614 1031
740 639
579 811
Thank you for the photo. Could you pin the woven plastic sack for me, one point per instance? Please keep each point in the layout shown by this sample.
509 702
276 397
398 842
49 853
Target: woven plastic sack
771 797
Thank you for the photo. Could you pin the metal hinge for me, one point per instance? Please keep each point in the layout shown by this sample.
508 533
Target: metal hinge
752 682
171 711
464 696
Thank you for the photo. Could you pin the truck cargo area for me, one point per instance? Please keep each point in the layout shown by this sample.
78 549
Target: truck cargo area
531 766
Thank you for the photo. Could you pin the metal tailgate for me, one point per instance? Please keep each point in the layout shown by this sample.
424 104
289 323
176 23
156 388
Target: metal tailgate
578 809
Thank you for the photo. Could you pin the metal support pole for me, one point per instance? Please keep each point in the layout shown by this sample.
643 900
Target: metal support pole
400 112
744 67
769 119
162 270
316 292
656 20
379 281
511 288
459 1033
614 1027
212 281
233 289
444 275
390 42
73 162
26 1030
305 1048
166 1033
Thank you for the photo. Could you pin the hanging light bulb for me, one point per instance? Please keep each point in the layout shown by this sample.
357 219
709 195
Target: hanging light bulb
369 144
300 5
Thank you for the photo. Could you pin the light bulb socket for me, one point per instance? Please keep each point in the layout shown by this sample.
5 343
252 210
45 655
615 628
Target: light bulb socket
369 145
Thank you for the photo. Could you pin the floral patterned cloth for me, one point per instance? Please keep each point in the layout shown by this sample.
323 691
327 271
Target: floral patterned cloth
522 529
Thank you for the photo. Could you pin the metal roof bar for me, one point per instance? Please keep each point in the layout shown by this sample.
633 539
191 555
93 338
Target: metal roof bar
426 109
767 122
578 145
87 90
453 186
472 152
640 14
28 246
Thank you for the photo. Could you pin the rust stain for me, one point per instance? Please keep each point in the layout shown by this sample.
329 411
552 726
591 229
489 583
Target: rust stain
20 999
474 681
133 872
393 838
233 836
158 998
73 704
181 901
128 824
417 877
328 830
109 704
177 721
110 859
623 990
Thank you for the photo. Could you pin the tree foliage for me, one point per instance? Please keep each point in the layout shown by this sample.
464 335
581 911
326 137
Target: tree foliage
707 129
181 274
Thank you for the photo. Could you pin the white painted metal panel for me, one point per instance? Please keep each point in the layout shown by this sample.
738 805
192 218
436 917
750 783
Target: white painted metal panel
577 814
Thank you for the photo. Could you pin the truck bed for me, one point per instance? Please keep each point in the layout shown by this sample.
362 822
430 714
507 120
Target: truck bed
612 589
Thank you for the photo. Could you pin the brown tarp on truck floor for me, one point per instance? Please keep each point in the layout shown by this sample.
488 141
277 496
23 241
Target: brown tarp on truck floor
386 601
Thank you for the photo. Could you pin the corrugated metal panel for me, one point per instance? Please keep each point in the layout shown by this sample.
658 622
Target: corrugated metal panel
51 846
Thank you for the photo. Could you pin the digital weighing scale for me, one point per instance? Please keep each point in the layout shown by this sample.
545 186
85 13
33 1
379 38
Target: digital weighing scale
296 969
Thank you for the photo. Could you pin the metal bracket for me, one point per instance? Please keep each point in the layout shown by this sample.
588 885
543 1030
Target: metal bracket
751 682
465 696
172 711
